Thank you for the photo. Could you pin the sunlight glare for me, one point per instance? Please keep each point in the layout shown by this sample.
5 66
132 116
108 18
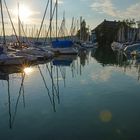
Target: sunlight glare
24 12
28 70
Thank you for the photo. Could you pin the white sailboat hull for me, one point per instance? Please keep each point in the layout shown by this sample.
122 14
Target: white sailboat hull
116 46
37 51
11 60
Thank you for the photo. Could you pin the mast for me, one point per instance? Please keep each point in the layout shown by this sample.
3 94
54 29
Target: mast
9 105
63 26
50 20
38 35
3 27
56 16
72 28
88 39
11 22
80 29
19 23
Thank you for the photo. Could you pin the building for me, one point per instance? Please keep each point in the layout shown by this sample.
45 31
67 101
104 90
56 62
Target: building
106 32
109 31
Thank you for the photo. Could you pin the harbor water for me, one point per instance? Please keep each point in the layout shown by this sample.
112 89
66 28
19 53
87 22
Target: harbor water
92 96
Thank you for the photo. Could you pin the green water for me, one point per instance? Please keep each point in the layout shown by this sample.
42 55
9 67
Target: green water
95 96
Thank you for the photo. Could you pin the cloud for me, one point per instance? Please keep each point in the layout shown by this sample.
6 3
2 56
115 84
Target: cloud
102 75
107 7
133 11
59 1
84 82
106 73
104 6
83 0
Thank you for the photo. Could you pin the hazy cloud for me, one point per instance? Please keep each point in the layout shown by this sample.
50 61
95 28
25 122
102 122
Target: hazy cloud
102 75
106 73
107 7
104 6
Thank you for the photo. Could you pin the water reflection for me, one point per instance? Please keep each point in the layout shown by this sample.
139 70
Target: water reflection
21 92
107 57
28 70
105 116
4 75
9 106
75 100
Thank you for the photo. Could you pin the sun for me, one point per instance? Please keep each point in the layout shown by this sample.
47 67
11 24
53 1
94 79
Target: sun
24 12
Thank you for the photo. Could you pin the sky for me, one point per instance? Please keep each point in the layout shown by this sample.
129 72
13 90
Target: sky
93 11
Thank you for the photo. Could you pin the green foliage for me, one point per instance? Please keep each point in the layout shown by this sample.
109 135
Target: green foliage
83 33
130 22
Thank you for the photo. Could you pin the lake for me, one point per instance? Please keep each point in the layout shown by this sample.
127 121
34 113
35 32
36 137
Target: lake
93 96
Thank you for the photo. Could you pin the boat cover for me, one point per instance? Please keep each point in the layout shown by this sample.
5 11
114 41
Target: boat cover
62 62
62 44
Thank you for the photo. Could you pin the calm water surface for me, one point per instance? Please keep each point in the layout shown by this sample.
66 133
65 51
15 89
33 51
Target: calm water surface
95 96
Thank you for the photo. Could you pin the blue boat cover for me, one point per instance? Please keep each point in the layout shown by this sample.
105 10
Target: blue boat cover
62 62
62 44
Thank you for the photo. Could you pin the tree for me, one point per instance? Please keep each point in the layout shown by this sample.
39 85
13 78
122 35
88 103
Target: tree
83 33
130 22
138 24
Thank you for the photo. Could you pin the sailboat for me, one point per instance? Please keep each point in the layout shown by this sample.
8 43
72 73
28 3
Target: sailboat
122 43
119 44
89 43
5 76
5 57
36 51
64 47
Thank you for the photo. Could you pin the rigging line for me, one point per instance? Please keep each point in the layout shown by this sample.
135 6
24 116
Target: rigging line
71 29
50 23
24 32
72 69
56 16
43 20
3 28
9 101
138 72
11 22
63 30
54 108
16 107
23 95
50 20
61 27
58 85
19 32
45 84
63 75
51 77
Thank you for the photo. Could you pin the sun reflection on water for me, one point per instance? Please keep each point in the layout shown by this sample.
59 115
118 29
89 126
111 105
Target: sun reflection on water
28 70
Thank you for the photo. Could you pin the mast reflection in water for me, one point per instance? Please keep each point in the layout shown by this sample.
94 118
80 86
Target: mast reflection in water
94 95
